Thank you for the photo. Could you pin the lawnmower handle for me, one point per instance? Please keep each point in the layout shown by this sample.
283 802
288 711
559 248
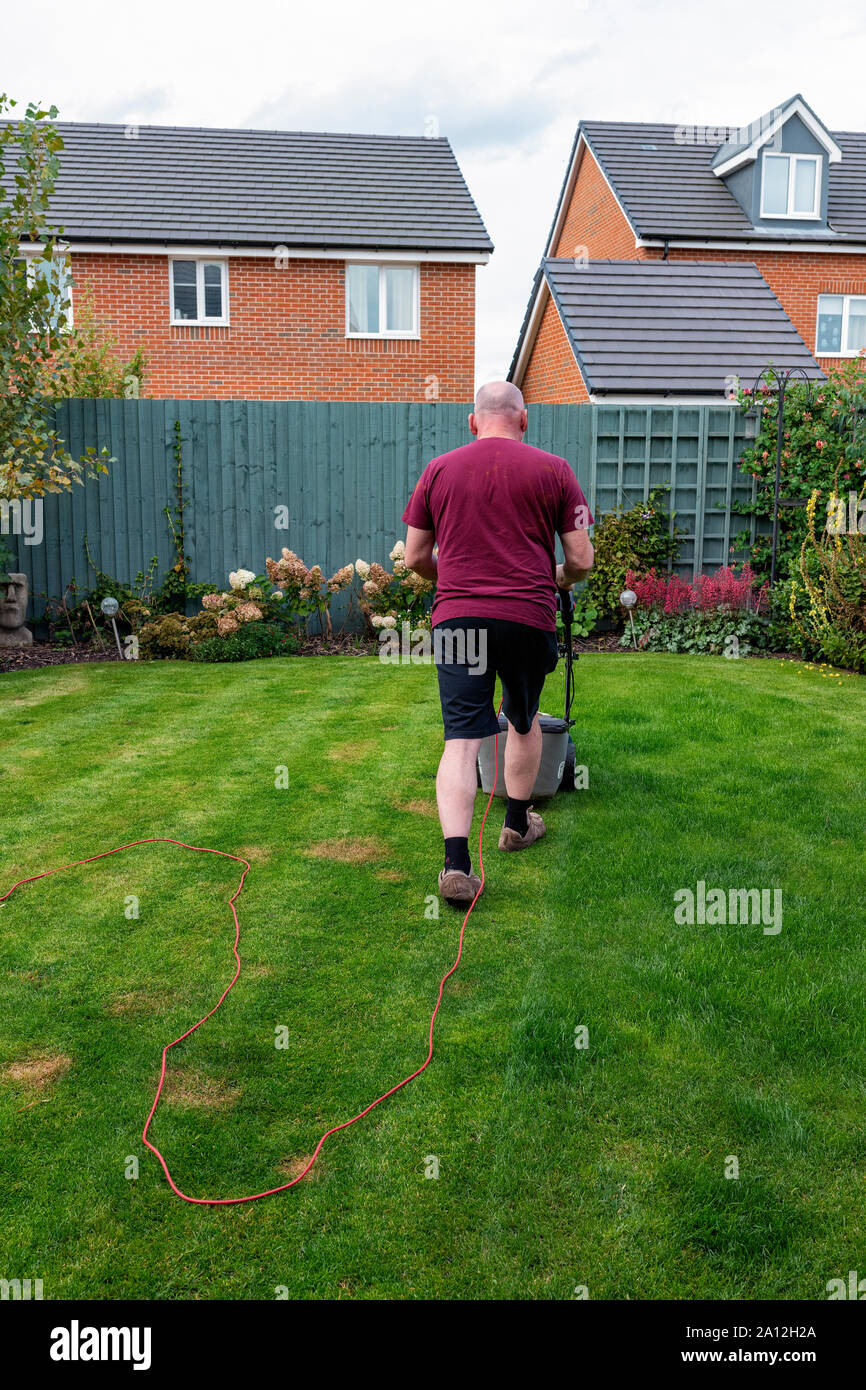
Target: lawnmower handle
565 599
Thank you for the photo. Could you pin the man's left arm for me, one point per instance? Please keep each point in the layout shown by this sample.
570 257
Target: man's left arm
419 553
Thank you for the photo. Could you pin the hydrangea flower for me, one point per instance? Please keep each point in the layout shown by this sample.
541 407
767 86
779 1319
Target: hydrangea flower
340 579
249 612
239 579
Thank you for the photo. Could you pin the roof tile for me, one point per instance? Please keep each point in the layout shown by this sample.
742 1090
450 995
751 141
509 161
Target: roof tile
263 188
672 326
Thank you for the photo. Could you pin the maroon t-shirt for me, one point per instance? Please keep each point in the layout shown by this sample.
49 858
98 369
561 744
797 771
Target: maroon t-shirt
495 506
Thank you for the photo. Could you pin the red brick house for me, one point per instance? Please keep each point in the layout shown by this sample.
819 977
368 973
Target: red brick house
276 265
783 195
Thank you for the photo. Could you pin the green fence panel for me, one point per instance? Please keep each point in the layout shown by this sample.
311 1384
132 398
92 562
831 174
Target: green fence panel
331 480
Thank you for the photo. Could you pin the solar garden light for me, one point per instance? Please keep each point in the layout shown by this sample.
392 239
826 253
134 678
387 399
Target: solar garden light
109 606
628 599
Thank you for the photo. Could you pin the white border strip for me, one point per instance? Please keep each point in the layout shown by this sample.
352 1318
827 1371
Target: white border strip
568 193
776 243
532 331
661 400
272 253
797 108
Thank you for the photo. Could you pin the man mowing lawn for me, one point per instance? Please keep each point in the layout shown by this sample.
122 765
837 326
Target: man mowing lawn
493 509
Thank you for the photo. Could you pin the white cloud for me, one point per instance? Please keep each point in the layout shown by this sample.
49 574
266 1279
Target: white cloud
508 84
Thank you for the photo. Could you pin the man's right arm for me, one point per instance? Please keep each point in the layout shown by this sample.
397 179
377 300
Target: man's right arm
579 556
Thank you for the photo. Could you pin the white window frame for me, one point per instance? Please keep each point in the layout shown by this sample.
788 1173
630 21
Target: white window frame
416 300
790 216
846 306
199 262
31 260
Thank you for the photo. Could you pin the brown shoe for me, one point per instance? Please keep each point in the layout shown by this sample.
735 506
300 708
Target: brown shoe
510 840
457 888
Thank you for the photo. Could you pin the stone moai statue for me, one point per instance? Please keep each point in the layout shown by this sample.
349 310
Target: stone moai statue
14 592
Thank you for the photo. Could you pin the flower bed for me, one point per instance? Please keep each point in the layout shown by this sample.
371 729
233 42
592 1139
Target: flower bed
721 614
269 615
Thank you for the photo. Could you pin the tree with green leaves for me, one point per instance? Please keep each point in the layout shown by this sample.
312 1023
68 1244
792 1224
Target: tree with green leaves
33 297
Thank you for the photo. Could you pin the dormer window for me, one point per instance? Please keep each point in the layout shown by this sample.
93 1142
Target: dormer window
791 185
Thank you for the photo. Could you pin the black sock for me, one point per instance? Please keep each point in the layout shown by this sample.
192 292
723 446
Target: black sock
457 853
516 817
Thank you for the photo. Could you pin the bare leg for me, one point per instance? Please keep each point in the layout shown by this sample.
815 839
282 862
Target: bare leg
522 761
456 785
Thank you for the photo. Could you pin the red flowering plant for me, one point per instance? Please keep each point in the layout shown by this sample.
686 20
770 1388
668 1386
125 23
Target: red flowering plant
724 589
720 613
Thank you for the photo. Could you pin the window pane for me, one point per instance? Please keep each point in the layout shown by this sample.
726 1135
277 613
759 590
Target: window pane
213 292
400 298
55 274
804 185
183 273
856 325
829 323
363 291
775 183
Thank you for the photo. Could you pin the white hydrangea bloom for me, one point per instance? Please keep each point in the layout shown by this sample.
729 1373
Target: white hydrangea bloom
362 568
389 621
399 551
377 620
239 579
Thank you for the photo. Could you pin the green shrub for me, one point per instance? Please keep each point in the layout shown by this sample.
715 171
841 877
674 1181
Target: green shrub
87 361
584 620
639 539
785 631
699 630
171 636
832 587
7 560
250 642
823 447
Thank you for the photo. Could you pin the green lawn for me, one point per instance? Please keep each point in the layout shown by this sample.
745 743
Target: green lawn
558 1166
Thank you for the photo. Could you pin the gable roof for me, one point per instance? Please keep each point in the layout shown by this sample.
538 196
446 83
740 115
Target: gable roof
264 188
736 152
670 327
663 177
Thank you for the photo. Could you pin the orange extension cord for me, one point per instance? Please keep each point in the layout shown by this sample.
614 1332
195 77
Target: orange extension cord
200 849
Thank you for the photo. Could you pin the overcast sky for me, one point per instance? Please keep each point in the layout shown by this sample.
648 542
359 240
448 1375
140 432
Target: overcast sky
507 83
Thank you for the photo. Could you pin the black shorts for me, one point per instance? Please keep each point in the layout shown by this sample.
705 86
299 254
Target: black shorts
469 654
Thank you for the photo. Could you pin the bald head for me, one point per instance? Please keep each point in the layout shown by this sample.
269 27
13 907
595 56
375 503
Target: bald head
498 398
499 410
